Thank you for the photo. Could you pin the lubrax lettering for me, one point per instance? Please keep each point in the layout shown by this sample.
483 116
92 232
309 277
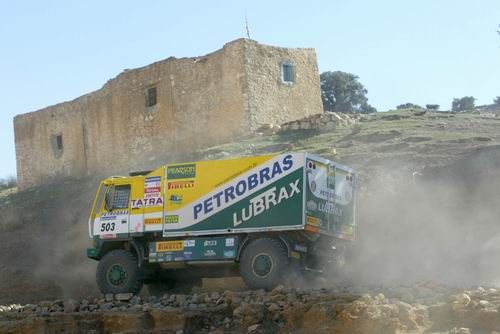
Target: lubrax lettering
233 192
265 201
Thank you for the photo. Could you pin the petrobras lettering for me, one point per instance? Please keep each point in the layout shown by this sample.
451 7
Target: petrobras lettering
241 187
147 202
265 201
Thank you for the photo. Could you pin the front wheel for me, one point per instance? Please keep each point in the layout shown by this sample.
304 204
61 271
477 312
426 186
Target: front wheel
264 264
118 272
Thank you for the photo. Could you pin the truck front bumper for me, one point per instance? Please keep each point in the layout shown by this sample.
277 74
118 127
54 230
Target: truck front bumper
93 253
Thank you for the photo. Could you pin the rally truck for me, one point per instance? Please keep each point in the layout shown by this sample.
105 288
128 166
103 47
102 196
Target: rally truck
264 216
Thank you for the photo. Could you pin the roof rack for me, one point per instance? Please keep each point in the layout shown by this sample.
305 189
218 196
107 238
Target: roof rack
144 172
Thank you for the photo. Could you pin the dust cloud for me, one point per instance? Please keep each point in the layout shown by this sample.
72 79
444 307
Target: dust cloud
440 226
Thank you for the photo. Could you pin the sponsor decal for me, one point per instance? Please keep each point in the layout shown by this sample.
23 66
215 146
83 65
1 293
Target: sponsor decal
346 229
188 255
152 182
152 187
189 243
180 185
169 246
175 199
209 252
233 193
265 201
171 219
295 255
300 248
168 257
209 243
114 213
152 221
108 236
230 242
330 208
178 258
312 206
152 190
313 221
186 171
147 202
229 253
108 218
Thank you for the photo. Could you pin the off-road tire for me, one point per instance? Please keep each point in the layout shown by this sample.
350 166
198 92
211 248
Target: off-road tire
124 264
273 254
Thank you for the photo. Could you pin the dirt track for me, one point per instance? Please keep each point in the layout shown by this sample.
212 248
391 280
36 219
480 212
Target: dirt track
422 308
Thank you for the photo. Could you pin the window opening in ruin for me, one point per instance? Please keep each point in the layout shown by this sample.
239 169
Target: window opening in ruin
121 197
287 72
59 142
151 97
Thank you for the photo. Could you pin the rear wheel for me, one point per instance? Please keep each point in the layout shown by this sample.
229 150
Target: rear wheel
264 263
117 272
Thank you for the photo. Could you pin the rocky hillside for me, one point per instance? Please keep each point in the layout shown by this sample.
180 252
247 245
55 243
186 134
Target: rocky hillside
427 211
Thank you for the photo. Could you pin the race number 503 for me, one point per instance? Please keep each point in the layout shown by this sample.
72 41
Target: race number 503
107 227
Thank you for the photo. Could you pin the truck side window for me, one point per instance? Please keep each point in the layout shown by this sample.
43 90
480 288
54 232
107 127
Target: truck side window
121 197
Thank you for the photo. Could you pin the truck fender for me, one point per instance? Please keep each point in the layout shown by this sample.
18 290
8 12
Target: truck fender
248 239
139 251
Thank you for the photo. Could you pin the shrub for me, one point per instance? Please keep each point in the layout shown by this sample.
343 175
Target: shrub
409 106
432 107
8 182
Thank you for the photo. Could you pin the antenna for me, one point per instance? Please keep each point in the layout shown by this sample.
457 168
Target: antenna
246 25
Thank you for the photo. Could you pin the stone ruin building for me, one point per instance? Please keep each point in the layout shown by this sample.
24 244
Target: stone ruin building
146 116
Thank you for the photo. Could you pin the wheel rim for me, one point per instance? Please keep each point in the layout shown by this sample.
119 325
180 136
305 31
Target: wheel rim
262 265
116 275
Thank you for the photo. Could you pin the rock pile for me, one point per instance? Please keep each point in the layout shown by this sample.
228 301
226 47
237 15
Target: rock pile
429 309
327 121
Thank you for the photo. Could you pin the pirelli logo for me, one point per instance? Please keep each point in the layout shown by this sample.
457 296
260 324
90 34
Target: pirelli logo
169 246
152 221
181 185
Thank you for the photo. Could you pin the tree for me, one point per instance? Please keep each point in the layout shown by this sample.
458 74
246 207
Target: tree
465 103
434 107
497 101
409 106
342 92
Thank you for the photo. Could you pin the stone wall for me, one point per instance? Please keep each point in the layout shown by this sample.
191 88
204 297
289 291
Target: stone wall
270 100
201 101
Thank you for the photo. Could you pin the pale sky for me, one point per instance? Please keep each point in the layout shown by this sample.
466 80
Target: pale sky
421 51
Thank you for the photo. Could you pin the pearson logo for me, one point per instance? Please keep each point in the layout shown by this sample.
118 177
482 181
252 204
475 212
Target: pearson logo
187 171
